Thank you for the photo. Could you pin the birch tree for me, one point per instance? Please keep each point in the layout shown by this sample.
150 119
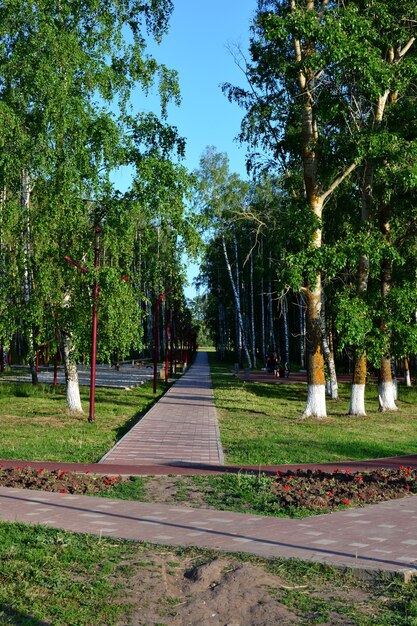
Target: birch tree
292 107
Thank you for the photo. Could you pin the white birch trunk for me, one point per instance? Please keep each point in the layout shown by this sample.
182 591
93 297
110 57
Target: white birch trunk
71 377
386 396
284 306
357 400
272 344
252 309
302 332
407 377
27 277
316 402
333 387
237 302
263 319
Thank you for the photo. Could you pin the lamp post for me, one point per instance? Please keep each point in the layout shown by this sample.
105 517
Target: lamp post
156 335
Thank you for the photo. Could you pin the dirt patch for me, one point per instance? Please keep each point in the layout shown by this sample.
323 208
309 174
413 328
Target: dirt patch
175 489
176 591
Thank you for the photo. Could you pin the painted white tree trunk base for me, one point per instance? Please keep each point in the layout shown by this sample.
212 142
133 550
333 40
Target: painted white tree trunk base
73 395
71 377
334 390
316 402
386 397
357 400
407 378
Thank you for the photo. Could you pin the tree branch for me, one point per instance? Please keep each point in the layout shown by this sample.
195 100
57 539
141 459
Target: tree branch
339 180
401 53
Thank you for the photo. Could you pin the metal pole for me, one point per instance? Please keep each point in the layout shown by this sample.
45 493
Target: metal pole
155 343
94 327
171 364
166 346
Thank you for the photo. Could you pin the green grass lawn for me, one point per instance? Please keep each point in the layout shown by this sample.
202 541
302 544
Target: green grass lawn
261 424
35 424
54 577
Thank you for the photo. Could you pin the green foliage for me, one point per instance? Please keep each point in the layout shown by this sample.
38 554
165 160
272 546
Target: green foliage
67 78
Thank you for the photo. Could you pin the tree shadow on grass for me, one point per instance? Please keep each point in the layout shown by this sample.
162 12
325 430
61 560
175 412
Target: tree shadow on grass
259 451
354 450
279 392
8 615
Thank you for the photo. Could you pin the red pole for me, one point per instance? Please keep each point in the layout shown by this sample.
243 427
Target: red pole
155 343
94 328
171 364
166 347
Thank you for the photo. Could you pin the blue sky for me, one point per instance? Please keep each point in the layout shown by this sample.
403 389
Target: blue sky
196 47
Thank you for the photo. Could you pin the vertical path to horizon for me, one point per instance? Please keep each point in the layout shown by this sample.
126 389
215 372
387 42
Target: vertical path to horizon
180 428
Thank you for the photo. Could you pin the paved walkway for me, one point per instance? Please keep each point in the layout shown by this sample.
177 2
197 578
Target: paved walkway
180 428
380 537
181 431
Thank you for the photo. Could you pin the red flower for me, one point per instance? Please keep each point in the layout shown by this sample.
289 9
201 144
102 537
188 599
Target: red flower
347 471
346 501
358 479
40 470
278 473
63 491
287 488
106 480
402 467
112 478
329 493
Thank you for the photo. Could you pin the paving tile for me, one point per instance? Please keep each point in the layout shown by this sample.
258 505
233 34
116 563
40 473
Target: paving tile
174 430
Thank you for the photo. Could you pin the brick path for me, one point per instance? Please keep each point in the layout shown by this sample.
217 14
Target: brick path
179 435
381 537
181 427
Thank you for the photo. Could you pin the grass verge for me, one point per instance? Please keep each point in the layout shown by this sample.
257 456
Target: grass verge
54 577
261 424
35 424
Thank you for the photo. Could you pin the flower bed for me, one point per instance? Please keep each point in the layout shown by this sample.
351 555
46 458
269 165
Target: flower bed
56 480
291 493
316 489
